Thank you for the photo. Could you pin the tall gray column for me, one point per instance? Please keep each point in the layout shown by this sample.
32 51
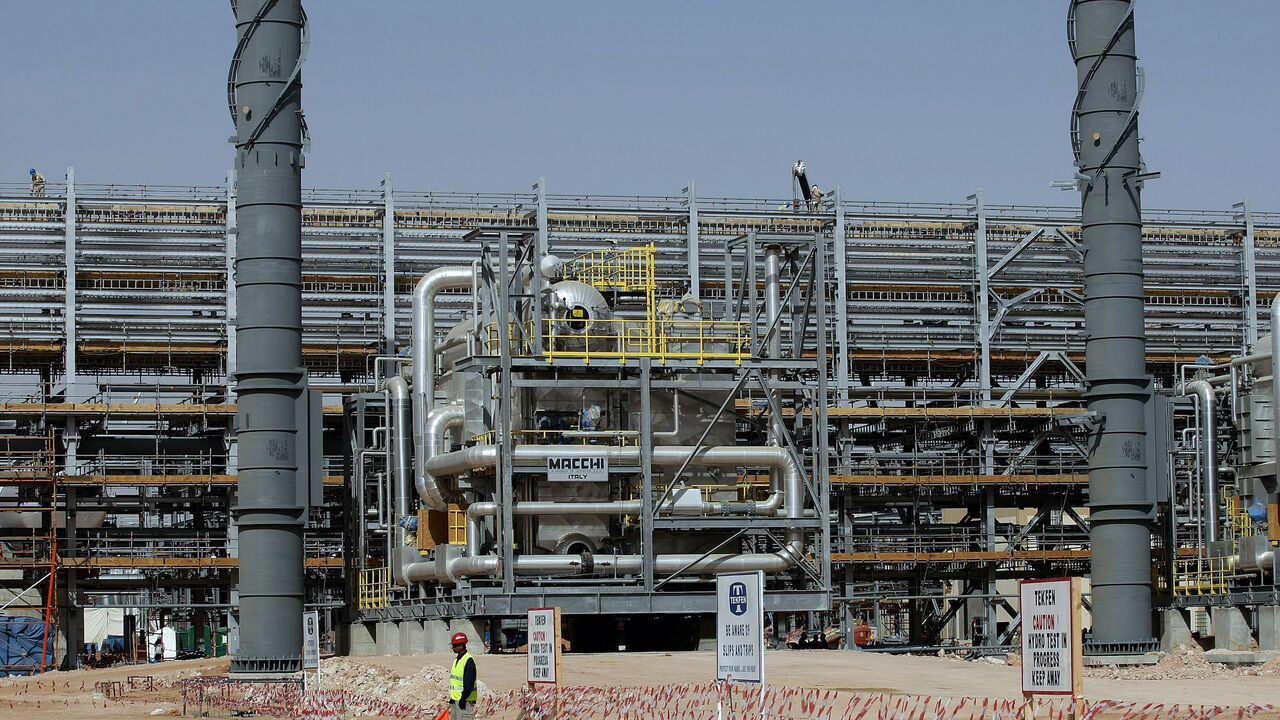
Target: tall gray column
695 277
388 267
73 392
271 509
841 260
1105 137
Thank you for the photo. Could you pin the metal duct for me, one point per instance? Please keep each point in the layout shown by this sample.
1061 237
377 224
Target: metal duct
1105 139
424 361
271 508
1208 453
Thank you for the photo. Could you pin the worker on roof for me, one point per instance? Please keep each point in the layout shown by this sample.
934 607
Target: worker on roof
815 199
37 183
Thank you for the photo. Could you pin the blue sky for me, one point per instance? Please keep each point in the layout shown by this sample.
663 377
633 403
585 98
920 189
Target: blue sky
897 101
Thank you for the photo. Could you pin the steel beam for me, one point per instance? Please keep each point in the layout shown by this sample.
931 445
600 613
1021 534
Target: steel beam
73 393
695 279
841 261
388 267
1248 254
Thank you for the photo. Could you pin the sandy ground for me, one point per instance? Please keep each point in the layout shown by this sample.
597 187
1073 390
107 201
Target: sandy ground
71 694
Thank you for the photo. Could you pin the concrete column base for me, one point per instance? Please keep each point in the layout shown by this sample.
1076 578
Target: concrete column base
435 636
411 637
387 636
360 640
707 633
1230 630
1268 627
474 628
1175 630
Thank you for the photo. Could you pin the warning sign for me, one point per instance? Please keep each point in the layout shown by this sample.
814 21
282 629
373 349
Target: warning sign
740 626
544 645
1051 652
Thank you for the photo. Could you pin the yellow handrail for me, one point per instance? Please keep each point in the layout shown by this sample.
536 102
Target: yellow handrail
624 339
375 586
1201 575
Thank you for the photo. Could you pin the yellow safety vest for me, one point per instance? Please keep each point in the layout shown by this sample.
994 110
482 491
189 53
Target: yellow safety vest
455 679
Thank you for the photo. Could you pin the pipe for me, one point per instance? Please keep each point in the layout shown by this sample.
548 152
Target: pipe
439 421
791 500
773 298
1275 395
1208 452
790 554
397 391
773 325
424 355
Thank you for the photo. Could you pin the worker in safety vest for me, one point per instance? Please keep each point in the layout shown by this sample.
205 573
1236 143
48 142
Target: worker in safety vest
37 183
462 681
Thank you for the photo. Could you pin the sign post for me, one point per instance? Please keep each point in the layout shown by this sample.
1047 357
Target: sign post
310 647
740 629
1052 657
544 649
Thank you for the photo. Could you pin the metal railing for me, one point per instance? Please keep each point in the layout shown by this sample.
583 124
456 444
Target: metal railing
374 588
1201 575
628 270
625 339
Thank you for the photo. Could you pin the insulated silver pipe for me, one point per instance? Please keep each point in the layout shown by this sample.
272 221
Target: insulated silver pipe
439 421
424 352
792 499
1275 384
1208 453
399 443
787 557
773 298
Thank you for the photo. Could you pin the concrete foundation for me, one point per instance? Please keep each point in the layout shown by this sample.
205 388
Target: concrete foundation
360 640
435 636
1268 627
387 635
707 633
474 628
1230 630
1175 630
411 637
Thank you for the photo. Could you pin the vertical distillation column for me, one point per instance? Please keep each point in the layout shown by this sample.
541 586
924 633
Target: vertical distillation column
270 513
1105 137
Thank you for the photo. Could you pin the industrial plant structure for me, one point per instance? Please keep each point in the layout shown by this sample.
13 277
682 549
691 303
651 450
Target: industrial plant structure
523 400
935 482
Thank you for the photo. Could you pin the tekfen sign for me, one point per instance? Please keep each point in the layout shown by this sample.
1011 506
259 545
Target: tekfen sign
578 466
740 627
544 645
1052 663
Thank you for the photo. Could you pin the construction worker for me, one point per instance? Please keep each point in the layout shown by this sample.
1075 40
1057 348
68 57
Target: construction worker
37 183
815 199
462 681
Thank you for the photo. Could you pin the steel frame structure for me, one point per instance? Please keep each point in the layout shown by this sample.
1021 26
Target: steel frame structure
952 376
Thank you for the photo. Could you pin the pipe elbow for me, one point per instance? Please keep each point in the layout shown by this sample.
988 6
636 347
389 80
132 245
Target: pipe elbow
439 421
